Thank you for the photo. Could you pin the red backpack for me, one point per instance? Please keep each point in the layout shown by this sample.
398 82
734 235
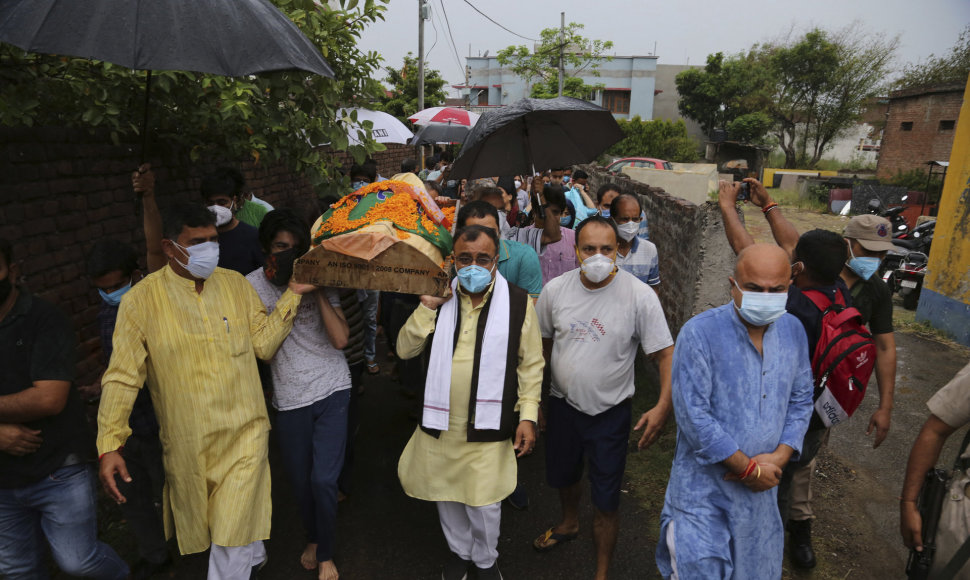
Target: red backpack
843 361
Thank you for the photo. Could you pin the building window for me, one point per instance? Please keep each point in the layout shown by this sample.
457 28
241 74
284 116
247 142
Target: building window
906 126
947 125
617 101
483 98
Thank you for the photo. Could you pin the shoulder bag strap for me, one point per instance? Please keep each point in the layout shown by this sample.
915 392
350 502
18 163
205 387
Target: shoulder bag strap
962 555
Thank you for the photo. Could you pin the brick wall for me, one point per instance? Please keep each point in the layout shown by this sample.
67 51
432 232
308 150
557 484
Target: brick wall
695 258
60 191
924 109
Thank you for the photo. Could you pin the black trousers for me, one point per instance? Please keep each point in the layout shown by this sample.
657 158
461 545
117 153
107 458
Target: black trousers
143 456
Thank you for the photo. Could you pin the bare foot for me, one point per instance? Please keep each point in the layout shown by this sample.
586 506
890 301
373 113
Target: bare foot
328 571
309 557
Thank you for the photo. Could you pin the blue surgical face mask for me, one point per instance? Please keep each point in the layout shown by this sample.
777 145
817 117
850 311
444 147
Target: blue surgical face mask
564 220
605 213
565 179
355 185
114 298
761 308
864 267
474 278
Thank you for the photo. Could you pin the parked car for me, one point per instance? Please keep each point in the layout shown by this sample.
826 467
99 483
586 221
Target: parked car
648 162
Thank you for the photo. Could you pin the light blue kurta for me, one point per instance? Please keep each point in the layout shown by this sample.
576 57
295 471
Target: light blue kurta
728 397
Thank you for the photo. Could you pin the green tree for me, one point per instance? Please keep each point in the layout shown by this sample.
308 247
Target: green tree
403 100
540 67
728 93
804 92
950 69
660 139
822 84
279 116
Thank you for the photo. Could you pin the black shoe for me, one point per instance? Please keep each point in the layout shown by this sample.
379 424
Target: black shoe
800 550
455 568
143 569
490 573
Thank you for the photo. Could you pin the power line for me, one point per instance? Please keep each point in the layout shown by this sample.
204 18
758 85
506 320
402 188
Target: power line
490 19
454 47
435 43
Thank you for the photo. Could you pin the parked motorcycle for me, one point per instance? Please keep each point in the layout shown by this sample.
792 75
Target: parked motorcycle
918 240
894 214
908 278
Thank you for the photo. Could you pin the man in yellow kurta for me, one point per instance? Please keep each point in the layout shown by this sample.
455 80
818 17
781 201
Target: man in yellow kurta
483 387
192 330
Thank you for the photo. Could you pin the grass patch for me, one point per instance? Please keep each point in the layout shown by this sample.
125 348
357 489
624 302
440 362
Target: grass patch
905 321
791 199
647 471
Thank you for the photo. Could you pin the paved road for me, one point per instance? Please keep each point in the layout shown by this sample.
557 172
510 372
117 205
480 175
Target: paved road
923 366
383 534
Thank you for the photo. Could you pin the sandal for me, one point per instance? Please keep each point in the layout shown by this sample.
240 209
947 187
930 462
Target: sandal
372 367
541 544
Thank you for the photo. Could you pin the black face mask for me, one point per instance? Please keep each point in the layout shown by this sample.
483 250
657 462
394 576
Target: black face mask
279 266
6 287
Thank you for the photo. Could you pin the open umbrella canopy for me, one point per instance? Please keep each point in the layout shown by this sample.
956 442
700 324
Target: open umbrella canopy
430 134
386 129
536 134
444 115
230 38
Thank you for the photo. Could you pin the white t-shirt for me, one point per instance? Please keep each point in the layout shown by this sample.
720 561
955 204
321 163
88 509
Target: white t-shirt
595 335
306 368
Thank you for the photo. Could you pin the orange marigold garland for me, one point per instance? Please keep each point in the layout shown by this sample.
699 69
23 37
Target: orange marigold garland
394 202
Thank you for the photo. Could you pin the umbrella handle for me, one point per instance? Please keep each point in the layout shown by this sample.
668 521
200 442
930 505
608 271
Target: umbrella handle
144 121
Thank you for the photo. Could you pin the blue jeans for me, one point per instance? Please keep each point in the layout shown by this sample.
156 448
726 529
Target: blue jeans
62 507
369 304
312 443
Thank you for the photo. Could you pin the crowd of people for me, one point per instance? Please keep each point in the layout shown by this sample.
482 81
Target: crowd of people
553 295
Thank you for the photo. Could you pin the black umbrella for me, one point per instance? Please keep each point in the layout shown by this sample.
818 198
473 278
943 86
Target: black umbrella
441 133
530 133
225 37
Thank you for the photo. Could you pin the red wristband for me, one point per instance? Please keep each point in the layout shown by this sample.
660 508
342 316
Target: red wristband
752 465
769 207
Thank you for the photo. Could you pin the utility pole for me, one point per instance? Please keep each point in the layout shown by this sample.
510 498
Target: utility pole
562 48
421 10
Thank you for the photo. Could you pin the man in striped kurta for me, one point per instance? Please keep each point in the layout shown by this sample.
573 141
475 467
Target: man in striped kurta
194 331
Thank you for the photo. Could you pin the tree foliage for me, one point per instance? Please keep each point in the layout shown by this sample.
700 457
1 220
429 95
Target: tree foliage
724 90
804 92
403 100
539 67
277 116
950 69
666 140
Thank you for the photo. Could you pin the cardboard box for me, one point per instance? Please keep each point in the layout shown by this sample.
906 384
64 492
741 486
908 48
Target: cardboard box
399 268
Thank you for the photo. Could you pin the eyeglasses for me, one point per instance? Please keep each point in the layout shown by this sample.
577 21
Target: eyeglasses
483 261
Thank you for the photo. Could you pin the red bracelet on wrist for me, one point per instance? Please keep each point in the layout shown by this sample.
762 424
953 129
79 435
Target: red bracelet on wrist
752 465
769 207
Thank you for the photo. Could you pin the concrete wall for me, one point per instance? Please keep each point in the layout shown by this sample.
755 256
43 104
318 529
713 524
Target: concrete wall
665 103
60 191
695 258
945 299
693 184
924 109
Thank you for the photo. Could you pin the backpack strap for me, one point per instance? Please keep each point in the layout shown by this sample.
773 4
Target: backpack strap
819 299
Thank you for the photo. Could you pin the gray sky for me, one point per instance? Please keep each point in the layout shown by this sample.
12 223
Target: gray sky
684 33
